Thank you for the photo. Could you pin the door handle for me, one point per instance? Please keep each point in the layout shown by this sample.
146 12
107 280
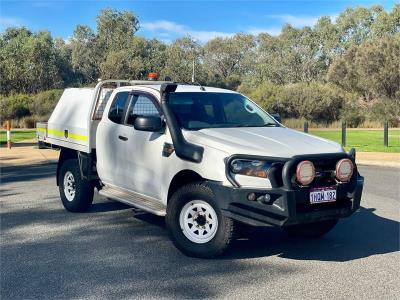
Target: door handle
124 138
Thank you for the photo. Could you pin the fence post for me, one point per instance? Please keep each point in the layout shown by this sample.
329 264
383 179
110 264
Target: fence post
344 134
8 125
306 126
386 134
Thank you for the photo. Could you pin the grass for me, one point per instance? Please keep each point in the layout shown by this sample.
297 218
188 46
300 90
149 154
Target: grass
363 140
17 136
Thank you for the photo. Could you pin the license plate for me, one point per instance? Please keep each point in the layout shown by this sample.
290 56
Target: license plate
321 195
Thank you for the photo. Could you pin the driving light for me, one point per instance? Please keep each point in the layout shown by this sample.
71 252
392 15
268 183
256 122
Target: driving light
344 169
256 168
305 172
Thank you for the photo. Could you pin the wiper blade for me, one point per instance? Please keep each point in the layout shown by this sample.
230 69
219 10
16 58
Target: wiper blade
264 125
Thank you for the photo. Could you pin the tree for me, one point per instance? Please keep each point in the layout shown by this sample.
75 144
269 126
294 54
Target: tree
180 56
27 61
115 29
85 55
224 57
372 69
293 56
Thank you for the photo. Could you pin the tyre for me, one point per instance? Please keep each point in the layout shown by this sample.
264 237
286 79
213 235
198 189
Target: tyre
311 230
196 224
76 193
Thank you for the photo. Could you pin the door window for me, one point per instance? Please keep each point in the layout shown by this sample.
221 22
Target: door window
142 105
117 108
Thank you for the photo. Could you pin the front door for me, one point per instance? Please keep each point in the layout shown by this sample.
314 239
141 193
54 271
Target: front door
143 150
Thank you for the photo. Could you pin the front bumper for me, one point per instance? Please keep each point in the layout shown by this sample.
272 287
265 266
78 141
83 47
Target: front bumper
288 205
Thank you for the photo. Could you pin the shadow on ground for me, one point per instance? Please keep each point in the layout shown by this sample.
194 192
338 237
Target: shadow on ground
113 251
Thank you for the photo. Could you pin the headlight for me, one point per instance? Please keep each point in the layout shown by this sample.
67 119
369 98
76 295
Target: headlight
305 172
344 169
256 168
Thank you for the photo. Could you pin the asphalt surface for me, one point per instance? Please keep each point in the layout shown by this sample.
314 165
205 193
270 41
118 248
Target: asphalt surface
114 252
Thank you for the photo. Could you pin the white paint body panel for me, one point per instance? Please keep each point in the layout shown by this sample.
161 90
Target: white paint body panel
71 113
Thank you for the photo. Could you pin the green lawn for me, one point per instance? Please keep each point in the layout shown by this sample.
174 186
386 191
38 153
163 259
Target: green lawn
17 136
363 140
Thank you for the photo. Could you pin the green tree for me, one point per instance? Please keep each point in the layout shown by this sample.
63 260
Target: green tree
85 56
372 69
28 61
180 56
224 57
115 29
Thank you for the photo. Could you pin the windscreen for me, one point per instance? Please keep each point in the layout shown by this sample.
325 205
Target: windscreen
200 110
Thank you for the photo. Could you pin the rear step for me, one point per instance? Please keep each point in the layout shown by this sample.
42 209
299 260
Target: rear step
145 203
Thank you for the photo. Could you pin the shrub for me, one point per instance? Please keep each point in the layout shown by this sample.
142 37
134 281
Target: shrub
43 103
14 106
26 122
387 109
265 94
314 102
19 106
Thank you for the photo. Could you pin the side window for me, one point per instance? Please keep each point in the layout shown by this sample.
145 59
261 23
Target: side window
142 105
117 108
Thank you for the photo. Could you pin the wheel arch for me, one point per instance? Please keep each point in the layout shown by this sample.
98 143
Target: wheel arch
65 154
182 178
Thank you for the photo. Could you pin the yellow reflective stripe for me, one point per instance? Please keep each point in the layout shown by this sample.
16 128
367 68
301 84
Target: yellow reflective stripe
77 137
74 136
41 129
55 132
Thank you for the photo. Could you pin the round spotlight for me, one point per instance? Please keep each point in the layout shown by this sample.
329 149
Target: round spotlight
305 172
344 169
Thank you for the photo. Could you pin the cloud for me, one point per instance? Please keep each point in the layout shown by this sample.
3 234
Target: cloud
11 22
170 29
296 21
270 30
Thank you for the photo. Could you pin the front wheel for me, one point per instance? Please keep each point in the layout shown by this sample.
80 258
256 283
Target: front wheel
76 193
311 230
196 224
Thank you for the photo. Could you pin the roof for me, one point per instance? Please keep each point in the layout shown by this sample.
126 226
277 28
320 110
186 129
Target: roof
183 88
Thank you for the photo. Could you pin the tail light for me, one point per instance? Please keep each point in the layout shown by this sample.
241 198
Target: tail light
344 169
305 172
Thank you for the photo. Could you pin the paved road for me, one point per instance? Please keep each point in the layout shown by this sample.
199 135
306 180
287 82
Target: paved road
113 252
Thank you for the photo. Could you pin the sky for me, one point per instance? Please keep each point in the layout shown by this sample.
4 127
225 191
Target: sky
169 20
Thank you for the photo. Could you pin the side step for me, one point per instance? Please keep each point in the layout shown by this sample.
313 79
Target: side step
143 202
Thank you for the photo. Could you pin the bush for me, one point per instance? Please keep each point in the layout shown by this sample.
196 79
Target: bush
387 109
20 106
43 103
313 102
26 122
265 94
353 113
14 106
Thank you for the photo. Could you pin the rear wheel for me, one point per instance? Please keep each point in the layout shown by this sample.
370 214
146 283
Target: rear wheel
311 230
76 193
196 224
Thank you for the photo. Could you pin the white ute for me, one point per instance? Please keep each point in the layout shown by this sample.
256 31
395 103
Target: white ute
208 159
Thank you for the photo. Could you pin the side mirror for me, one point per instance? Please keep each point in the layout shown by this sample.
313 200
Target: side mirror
277 117
149 123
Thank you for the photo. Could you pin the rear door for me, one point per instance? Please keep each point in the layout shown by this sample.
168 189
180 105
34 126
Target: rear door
111 139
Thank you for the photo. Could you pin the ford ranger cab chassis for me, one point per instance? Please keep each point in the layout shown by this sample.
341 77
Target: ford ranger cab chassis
207 159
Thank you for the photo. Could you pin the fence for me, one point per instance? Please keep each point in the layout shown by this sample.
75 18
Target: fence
344 133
